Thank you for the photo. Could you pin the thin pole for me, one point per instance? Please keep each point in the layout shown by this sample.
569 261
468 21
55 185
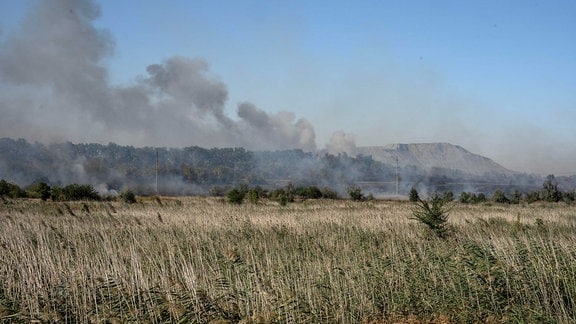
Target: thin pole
156 171
397 179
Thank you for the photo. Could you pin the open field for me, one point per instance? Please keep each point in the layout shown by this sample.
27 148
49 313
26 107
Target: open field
203 260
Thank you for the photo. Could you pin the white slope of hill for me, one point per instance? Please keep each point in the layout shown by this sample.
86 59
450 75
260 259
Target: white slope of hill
434 155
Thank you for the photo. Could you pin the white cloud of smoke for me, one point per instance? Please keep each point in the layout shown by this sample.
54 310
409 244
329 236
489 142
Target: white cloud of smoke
54 86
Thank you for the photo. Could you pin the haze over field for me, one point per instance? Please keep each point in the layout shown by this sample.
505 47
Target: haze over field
497 78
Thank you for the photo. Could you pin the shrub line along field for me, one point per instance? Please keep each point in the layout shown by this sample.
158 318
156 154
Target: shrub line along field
204 260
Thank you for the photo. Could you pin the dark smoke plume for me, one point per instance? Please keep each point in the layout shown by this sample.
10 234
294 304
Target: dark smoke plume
54 86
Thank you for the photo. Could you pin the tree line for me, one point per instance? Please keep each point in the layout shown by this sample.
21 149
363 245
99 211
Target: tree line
241 193
549 192
195 170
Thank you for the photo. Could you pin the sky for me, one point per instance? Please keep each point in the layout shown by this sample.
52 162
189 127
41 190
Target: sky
495 77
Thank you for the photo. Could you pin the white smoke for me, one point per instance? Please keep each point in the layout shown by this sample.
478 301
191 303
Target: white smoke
342 142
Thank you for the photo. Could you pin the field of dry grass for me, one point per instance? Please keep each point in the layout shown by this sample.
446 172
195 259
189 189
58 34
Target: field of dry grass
202 260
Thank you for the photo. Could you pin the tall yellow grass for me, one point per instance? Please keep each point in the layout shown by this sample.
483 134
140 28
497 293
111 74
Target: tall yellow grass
202 260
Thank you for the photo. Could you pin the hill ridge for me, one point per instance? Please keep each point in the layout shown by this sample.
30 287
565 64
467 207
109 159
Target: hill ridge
434 155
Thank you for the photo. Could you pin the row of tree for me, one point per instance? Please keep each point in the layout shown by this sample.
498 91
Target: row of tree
548 193
44 191
289 193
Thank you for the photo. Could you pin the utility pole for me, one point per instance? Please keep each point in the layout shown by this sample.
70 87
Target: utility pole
397 177
157 171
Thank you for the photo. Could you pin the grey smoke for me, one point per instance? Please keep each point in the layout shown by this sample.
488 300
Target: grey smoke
54 86
342 142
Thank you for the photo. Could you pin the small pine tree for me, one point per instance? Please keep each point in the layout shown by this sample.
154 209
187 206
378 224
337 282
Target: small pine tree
433 214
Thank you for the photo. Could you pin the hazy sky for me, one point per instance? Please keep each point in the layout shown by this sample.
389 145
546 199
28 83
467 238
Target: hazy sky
496 77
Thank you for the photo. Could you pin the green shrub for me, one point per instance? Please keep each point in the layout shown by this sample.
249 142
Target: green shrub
128 196
356 194
466 197
311 192
11 190
74 192
253 196
448 196
413 196
39 190
329 193
236 196
282 196
499 196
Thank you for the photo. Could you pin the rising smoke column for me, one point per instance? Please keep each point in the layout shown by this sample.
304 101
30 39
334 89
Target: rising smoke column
54 86
341 142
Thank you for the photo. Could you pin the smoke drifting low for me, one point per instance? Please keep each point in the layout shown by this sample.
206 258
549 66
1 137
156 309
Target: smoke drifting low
54 86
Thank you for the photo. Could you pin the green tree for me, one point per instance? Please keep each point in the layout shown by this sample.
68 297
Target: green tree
481 197
499 196
40 190
532 196
516 197
569 196
550 190
465 197
11 190
448 196
4 187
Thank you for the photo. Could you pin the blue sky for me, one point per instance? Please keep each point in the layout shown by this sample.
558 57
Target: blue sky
496 77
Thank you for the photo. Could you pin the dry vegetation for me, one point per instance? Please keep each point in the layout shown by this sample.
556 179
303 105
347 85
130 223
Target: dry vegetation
203 260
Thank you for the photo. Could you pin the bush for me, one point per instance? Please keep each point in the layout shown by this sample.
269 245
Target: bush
480 198
217 192
433 214
311 192
282 196
39 190
516 197
466 197
550 192
128 196
569 196
11 190
448 196
499 197
74 192
356 194
253 195
532 196
236 196
413 196
329 193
